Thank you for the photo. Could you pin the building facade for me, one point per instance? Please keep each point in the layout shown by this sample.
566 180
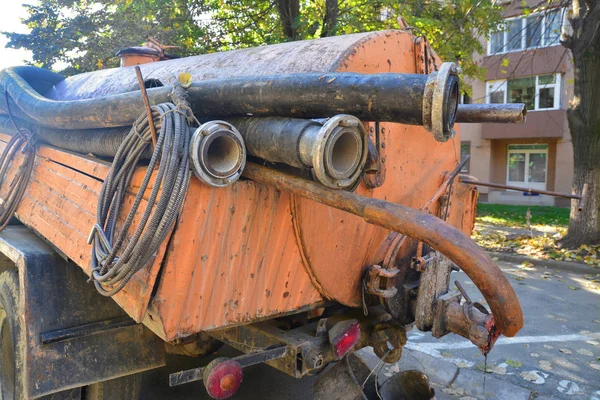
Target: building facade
525 64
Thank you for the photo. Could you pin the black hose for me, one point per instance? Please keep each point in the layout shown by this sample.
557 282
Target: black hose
113 266
375 97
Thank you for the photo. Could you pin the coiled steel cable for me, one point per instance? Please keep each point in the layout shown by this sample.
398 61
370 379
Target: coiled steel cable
113 266
25 142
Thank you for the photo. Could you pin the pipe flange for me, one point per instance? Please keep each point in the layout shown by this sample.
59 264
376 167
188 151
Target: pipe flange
440 102
331 132
217 153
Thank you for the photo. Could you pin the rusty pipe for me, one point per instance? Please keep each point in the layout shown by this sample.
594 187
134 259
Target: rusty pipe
443 237
494 113
335 150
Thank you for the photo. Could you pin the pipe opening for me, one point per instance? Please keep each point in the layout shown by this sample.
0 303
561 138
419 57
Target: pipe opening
344 153
152 83
453 102
222 155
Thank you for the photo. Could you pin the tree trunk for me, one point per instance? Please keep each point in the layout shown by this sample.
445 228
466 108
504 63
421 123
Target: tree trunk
584 123
289 11
332 10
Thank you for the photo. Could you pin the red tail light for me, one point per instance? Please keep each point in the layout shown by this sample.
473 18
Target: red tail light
222 378
344 336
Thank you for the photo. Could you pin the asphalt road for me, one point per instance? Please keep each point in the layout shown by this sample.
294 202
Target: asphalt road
554 354
557 353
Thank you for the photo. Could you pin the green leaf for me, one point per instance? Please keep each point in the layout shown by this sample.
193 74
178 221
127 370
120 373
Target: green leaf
514 363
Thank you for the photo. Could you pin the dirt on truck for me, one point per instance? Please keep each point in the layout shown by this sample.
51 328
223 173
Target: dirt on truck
297 202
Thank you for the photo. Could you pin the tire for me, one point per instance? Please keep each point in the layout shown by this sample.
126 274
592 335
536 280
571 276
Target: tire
11 347
123 388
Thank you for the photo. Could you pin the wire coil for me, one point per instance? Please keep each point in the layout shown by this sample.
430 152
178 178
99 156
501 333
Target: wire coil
22 141
114 261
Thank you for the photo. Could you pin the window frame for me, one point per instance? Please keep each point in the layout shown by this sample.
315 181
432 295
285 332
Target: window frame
503 84
467 168
523 18
528 152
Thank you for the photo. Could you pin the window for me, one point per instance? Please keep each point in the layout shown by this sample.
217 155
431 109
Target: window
465 150
537 92
527 165
535 30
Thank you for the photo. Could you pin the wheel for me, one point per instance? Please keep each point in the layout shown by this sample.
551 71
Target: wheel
11 356
123 388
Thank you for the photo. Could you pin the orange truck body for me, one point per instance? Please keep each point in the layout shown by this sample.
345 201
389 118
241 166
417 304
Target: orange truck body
249 252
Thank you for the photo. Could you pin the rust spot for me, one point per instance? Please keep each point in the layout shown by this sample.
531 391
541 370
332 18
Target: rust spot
268 292
204 257
286 294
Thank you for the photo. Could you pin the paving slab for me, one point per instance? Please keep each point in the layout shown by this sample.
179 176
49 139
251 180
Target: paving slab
477 384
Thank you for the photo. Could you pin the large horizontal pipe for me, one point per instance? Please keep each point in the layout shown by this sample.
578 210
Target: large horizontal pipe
428 100
443 237
494 113
335 150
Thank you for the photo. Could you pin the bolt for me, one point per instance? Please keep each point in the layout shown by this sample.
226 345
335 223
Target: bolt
383 145
383 160
314 360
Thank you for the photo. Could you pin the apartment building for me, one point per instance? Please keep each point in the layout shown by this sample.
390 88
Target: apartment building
525 64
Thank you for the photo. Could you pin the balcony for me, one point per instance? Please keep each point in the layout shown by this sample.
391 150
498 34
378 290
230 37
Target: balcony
539 124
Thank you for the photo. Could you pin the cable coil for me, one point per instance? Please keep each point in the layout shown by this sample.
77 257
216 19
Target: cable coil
113 266
23 141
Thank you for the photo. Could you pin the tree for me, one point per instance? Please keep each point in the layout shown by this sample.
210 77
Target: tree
86 34
584 120
452 28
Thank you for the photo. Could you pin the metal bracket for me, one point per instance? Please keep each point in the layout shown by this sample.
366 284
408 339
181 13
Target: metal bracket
246 360
376 287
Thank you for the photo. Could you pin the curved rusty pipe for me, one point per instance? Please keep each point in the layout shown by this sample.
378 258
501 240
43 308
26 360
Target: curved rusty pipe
443 237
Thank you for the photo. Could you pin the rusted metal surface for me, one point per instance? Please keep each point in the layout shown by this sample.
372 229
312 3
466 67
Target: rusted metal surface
434 282
138 72
469 320
250 252
499 113
449 241
373 281
60 204
233 259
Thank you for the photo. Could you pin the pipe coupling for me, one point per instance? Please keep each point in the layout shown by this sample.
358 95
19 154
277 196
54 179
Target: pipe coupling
217 153
440 102
338 151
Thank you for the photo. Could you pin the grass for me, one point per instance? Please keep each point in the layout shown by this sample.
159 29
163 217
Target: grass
516 216
549 223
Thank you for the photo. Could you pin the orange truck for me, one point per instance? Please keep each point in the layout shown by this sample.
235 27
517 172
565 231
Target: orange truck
297 202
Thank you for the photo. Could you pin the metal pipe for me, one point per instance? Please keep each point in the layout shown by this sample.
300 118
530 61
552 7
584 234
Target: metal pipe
443 237
520 189
217 153
335 150
428 100
491 113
